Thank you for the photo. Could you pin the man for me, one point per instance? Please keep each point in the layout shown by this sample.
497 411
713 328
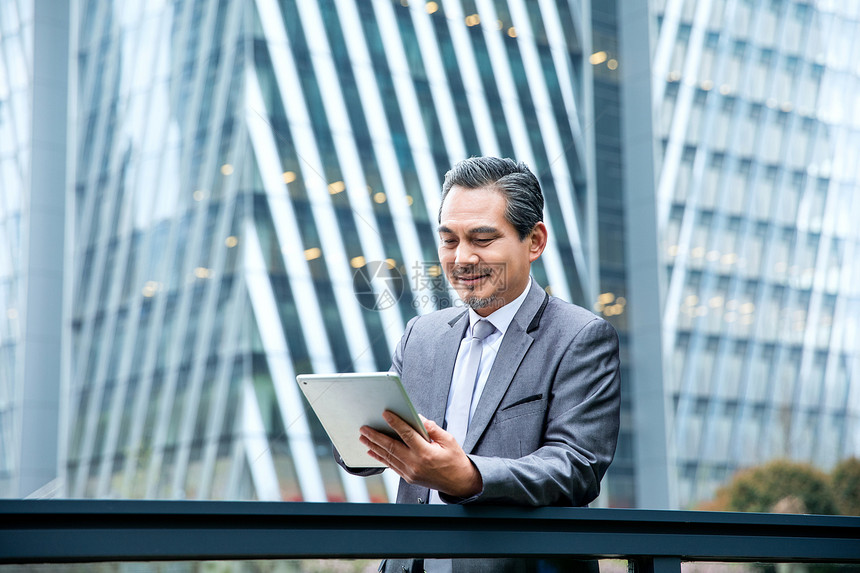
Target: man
525 412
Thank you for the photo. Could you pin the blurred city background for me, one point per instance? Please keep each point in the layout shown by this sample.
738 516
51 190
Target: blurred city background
201 199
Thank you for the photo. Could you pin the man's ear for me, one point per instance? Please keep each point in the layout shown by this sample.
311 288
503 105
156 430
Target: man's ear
537 241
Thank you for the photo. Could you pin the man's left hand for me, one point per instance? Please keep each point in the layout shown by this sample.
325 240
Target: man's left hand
439 464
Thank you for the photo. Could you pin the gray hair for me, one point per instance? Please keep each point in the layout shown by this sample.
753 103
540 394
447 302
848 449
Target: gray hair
523 196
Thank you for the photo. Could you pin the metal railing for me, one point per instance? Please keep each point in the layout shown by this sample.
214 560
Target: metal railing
62 531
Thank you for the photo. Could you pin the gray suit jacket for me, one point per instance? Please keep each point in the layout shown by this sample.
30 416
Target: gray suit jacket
546 425
545 428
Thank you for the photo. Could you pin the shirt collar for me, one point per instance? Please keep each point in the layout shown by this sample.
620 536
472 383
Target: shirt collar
502 317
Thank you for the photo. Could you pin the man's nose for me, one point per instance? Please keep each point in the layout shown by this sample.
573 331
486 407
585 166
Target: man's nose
465 254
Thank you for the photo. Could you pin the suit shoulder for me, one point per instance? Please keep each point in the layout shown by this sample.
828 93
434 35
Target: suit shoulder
572 317
437 319
561 308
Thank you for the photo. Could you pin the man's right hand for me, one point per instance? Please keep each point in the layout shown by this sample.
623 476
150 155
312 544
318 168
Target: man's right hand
440 464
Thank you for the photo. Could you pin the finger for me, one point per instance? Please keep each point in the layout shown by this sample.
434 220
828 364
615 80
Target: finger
379 458
381 453
378 440
392 463
427 423
374 436
385 446
406 432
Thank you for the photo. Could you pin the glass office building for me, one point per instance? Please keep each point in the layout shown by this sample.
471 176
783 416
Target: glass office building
15 88
250 190
33 97
611 303
754 121
256 186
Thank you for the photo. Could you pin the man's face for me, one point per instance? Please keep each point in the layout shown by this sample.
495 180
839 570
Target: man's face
481 252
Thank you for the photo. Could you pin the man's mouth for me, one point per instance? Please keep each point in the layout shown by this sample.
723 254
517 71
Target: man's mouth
471 277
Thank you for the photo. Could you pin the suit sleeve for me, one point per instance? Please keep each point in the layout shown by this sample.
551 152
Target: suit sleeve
397 359
580 433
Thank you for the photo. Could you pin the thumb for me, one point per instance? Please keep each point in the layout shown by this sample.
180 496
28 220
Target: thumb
436 433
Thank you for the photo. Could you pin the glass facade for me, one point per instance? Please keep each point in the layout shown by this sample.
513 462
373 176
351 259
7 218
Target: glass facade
256 189
16 47
612 303
33 100
253 195
757 129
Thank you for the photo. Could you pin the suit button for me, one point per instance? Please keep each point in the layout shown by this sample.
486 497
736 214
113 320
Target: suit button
420 500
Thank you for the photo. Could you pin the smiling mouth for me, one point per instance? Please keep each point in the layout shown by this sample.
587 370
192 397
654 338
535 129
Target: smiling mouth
471 278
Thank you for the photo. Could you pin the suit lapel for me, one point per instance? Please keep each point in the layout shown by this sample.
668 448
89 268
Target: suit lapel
514 346
443 367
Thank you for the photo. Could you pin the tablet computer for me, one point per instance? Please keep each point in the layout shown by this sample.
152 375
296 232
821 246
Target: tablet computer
346 402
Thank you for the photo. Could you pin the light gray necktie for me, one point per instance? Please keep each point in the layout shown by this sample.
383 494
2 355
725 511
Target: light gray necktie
463 386
462 393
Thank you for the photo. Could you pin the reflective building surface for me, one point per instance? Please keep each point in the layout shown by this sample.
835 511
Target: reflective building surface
15 114
34 46
611 303
255 196
200 200
756 131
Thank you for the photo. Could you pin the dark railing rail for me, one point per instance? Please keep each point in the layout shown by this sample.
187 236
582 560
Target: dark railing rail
54 531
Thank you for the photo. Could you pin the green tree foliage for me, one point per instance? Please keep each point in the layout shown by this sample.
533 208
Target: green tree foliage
788 487
778 486
845 485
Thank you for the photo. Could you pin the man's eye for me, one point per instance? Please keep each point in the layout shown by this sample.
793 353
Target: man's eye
482 241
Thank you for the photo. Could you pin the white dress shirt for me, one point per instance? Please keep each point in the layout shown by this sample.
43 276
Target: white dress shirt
501 319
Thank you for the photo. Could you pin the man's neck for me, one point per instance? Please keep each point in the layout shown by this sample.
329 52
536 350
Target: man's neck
489 310
501 317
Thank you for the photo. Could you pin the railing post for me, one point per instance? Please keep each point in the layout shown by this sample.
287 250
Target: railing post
654 565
